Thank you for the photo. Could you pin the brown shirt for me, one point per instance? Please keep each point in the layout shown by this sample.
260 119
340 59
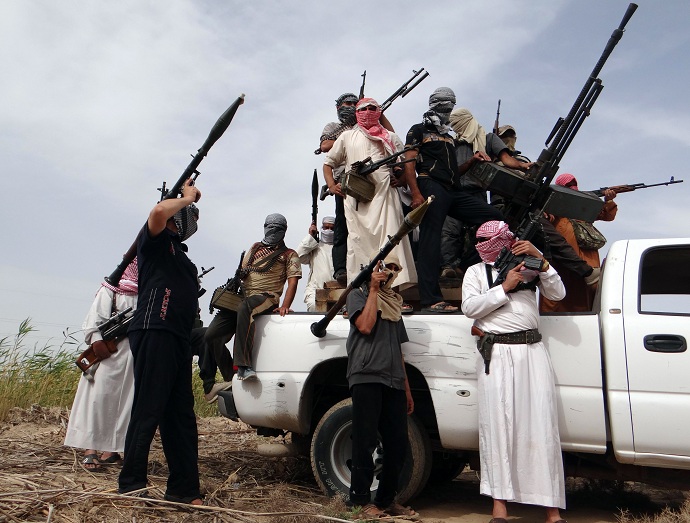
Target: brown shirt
287 265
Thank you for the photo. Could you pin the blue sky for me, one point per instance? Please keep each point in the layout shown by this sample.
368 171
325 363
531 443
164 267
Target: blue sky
105 100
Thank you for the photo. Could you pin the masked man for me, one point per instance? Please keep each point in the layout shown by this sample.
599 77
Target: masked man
318 255
437 174
265 268
159 337
519 443
370 223
580 296
381 397
472 144
345 106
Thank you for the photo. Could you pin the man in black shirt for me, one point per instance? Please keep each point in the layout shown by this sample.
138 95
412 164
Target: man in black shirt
437 173
159 337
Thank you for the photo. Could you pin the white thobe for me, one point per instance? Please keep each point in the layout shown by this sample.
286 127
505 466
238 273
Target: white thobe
370 224
102 407
319 257
519 443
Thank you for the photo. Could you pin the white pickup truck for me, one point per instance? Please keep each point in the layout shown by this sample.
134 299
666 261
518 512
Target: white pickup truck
622 375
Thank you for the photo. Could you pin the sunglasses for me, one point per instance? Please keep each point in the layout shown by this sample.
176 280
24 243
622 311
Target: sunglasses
368 107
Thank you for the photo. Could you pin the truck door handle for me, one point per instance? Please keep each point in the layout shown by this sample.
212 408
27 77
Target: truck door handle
665 343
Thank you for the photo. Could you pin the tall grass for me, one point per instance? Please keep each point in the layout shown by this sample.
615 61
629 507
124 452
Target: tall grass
48 376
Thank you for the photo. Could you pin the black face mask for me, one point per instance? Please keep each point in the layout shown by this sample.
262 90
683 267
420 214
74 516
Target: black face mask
185 220
346 115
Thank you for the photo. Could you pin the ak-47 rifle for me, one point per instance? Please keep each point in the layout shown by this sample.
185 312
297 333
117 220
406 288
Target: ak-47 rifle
112 330
361 88
632 187
216 132
366 166
203 273
403 90
498 113
557 144
410 222
315 202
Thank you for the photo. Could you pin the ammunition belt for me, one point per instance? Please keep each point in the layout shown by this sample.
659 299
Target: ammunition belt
520 337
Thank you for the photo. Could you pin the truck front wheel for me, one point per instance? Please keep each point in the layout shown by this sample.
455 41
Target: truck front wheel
331 453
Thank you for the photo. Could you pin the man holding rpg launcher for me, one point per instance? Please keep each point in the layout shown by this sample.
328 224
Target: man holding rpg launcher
159 337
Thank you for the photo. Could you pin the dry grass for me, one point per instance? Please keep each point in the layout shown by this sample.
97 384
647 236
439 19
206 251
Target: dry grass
41 480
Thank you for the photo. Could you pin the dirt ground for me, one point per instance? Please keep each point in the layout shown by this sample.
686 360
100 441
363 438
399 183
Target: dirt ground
41 480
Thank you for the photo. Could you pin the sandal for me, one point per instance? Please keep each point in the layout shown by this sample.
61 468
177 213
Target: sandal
371 511
407 308
91 462
442 307
113 459
187 500
396 509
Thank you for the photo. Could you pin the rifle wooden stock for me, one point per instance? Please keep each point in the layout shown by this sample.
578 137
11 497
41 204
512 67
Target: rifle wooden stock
217 131
411 222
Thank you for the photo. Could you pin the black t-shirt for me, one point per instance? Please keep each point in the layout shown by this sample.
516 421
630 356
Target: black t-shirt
436 154
168 285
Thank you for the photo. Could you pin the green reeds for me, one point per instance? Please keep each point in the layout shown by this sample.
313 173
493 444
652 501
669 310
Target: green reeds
48 376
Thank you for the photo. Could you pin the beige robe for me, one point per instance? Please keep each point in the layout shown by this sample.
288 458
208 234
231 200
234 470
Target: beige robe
370 224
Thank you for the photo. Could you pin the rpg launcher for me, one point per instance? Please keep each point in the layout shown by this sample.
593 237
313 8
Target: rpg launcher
405 88
190 172
112 331
315 202
632 187
410 222
557 200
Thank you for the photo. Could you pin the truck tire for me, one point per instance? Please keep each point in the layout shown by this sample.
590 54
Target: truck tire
446 467
331 452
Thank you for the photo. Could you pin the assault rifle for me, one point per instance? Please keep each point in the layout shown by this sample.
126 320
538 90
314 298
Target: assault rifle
366 166
112 330
404 89
190 172
410 222
557 144
361 88
498 113
632 187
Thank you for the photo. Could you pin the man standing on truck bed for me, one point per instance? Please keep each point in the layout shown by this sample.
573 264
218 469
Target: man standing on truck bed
381 397
519 442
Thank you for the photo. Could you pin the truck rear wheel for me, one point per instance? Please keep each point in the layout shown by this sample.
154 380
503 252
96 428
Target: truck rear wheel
331 452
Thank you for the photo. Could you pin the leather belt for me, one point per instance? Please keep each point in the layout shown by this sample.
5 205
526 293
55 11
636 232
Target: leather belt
520 337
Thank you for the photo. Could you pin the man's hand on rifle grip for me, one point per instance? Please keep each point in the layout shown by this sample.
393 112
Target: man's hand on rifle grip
513 278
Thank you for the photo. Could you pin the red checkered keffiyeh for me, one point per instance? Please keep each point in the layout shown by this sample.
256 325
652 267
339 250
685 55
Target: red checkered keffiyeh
128 283
498 235
564 179
368 122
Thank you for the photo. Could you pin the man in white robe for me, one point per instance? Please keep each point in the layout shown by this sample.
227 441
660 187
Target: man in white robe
102 405
370 224
318 254
519 443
